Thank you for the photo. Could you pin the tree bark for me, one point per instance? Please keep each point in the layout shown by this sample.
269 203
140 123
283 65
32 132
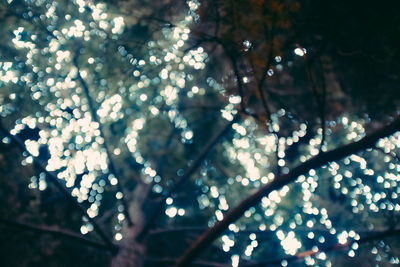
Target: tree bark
132 253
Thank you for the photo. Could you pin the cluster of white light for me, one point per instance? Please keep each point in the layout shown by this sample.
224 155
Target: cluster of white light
300 51
240 150
18 42
7 74
119 25
131 140
253 244
110 108
289 242
73 139
196 58
94 159
77 30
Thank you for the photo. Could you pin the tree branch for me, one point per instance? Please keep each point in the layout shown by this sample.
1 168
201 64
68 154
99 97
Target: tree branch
56 232
238 78
199 263
321 100
313 253
192 168
93 112
323 107
321 159
65 191
261 234
368 236
267 66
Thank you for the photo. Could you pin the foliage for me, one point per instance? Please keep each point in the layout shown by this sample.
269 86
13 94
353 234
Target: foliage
160 117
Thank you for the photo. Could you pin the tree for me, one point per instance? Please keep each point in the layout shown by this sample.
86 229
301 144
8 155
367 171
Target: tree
143 124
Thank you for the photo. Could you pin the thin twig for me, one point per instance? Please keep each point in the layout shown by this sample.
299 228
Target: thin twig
238 79
321 100
217 17
267 67
231 56
323 106
368 237
56 232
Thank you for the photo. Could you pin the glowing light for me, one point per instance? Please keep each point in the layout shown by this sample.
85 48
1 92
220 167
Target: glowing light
290 243
300 51
171 212
235 260
118 25
118 236
342 237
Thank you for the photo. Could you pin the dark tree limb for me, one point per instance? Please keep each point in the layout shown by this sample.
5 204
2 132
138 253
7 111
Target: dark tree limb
366 236
93 113
199 263
238 78
56 232
335 247
189 172
267 67
320 99
195 229
323 106
318 161
65 191
261 234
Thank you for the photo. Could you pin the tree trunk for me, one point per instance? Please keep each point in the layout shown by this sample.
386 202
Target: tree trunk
131 252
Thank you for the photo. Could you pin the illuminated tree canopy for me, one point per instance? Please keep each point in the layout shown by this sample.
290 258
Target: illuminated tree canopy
199 133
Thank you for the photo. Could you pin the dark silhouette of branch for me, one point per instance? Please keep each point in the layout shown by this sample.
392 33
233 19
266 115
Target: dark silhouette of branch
231 55
323 106
199 263
320 98
65 191
206 107
367 236
260 233
267 67
217 16
238 78
313 253
284 92
93 113
56 232
189 172
217 20
315 162
173 230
